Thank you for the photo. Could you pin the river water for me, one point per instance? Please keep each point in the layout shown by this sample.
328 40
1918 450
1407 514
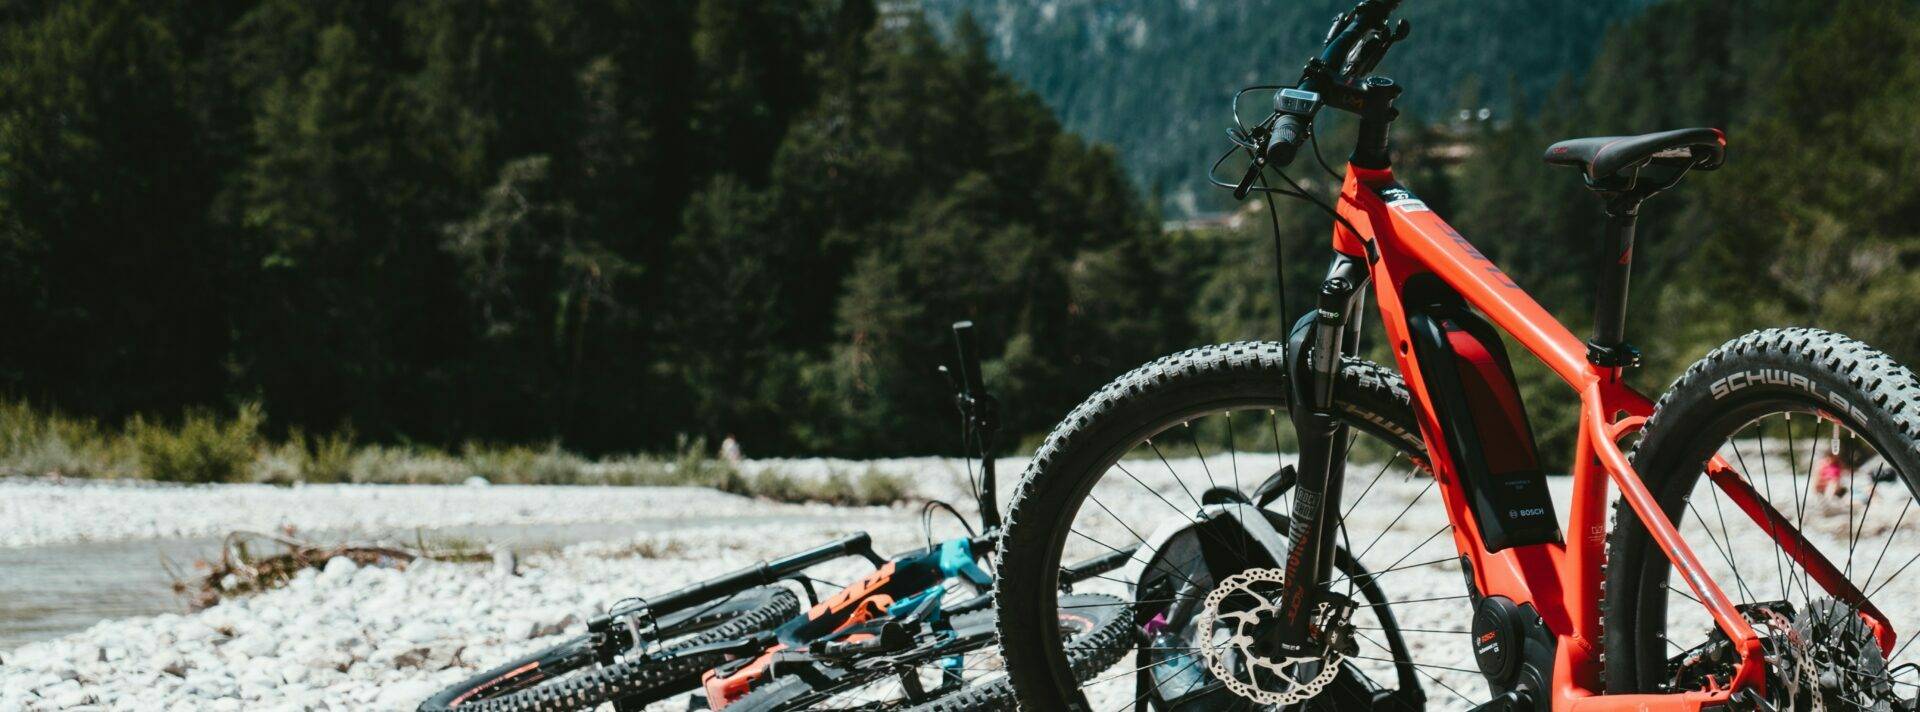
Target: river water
50 591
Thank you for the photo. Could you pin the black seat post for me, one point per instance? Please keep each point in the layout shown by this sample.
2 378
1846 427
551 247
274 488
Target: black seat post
1608 347
1625 170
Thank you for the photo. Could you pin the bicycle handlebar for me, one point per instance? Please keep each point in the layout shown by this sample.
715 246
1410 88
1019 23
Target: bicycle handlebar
1356 42
1348 33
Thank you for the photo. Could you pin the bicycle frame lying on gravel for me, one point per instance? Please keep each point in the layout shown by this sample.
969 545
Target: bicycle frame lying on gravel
1389 237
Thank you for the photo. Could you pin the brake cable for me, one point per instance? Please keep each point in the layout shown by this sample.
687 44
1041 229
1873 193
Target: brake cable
1313 139
926 519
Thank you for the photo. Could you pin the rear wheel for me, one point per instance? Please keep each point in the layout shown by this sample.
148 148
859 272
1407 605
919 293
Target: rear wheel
1827 431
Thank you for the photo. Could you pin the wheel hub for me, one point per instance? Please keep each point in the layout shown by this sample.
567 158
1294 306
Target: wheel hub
1838 661
1824 658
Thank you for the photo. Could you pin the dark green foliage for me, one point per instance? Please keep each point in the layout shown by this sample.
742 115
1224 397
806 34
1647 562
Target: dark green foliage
606 224
114 285
603 224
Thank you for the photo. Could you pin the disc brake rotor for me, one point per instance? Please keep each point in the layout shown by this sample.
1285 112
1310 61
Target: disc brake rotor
1823 658
1230 637
1838 661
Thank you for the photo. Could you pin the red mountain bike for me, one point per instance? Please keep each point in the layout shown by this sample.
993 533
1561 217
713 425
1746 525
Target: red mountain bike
1327 586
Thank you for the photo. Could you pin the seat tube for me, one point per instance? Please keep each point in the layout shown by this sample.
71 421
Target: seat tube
1609 347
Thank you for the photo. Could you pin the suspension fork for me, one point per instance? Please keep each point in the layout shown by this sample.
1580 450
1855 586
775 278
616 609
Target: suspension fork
1314 352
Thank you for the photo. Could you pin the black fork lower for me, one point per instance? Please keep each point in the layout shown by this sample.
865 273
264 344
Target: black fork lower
1314 351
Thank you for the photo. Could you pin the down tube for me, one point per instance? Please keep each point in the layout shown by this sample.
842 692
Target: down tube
1527 574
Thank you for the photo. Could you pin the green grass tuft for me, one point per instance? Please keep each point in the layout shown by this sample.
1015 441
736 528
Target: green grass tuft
202 446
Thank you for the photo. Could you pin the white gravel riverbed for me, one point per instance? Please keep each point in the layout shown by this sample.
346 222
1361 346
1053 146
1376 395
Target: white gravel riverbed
378 639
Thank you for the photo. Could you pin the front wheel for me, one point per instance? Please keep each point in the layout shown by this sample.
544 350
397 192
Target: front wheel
1826 430
1187 436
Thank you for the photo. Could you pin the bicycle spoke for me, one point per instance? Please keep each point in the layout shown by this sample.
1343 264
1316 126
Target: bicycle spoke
1773 530
1233 455
1137 538
1194 438
1396 520
1176 475
1375 575
1419 669
1241 550
1405 629
1131 556
1894 575
1417 665
1689 596
1889 542
1412 600
1713 491
1370 483
1726 554
1853 534
1903 647
1806 489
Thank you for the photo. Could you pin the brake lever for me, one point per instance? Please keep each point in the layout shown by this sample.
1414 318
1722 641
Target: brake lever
1255 141
1246 184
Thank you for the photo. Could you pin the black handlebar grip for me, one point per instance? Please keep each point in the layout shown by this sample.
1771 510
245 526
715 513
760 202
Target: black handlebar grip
1288 133
969 357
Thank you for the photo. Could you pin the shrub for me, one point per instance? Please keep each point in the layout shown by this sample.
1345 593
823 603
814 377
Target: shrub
772 484
872 487
524 465
32 443
281 464
330 459
878 487
404 465
693 467
204 448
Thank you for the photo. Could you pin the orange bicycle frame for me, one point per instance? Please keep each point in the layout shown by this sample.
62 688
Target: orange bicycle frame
1562 581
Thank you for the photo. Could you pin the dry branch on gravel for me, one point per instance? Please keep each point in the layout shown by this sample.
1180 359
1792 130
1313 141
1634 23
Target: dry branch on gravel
241 569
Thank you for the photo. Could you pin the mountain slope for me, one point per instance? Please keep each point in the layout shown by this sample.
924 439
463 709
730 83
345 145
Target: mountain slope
1153 77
